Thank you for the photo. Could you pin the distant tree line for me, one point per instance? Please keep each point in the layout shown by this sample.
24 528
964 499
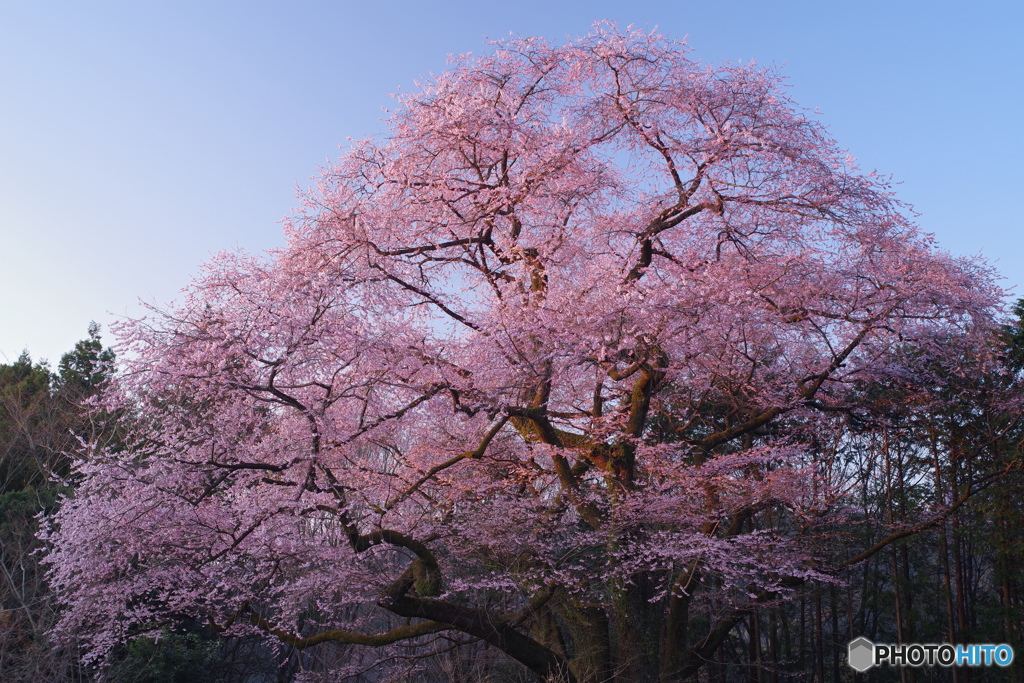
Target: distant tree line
41 423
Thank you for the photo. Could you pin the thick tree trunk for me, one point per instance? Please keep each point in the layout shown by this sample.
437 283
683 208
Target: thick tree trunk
589 628
756 669
637 632
676 628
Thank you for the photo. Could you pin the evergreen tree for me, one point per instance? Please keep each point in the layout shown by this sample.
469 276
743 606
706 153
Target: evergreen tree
41 421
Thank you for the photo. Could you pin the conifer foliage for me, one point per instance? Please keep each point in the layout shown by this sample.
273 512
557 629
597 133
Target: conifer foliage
41 423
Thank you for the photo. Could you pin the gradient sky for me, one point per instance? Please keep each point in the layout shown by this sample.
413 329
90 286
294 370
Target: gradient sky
137 138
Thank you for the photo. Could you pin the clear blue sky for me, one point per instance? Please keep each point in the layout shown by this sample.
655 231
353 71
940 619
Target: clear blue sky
137 137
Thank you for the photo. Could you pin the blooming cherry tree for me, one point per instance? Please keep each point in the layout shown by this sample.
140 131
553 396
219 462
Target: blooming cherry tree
552 366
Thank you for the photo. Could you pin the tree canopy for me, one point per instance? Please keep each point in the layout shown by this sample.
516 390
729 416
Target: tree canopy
564 364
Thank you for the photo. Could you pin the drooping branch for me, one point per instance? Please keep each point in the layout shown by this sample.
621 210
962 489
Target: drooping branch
407 632
480 623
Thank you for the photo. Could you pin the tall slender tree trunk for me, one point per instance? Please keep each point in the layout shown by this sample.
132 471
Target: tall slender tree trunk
906 589
944 553
890 513
834 638
819 640
960 596
773 644
787 636
802 658
755 649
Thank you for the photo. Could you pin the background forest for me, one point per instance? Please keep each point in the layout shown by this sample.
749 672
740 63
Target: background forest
957 579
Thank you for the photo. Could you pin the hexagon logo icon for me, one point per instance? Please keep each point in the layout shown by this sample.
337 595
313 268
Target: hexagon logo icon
861 654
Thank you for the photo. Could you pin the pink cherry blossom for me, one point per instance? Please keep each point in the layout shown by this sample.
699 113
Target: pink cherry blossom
577 332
